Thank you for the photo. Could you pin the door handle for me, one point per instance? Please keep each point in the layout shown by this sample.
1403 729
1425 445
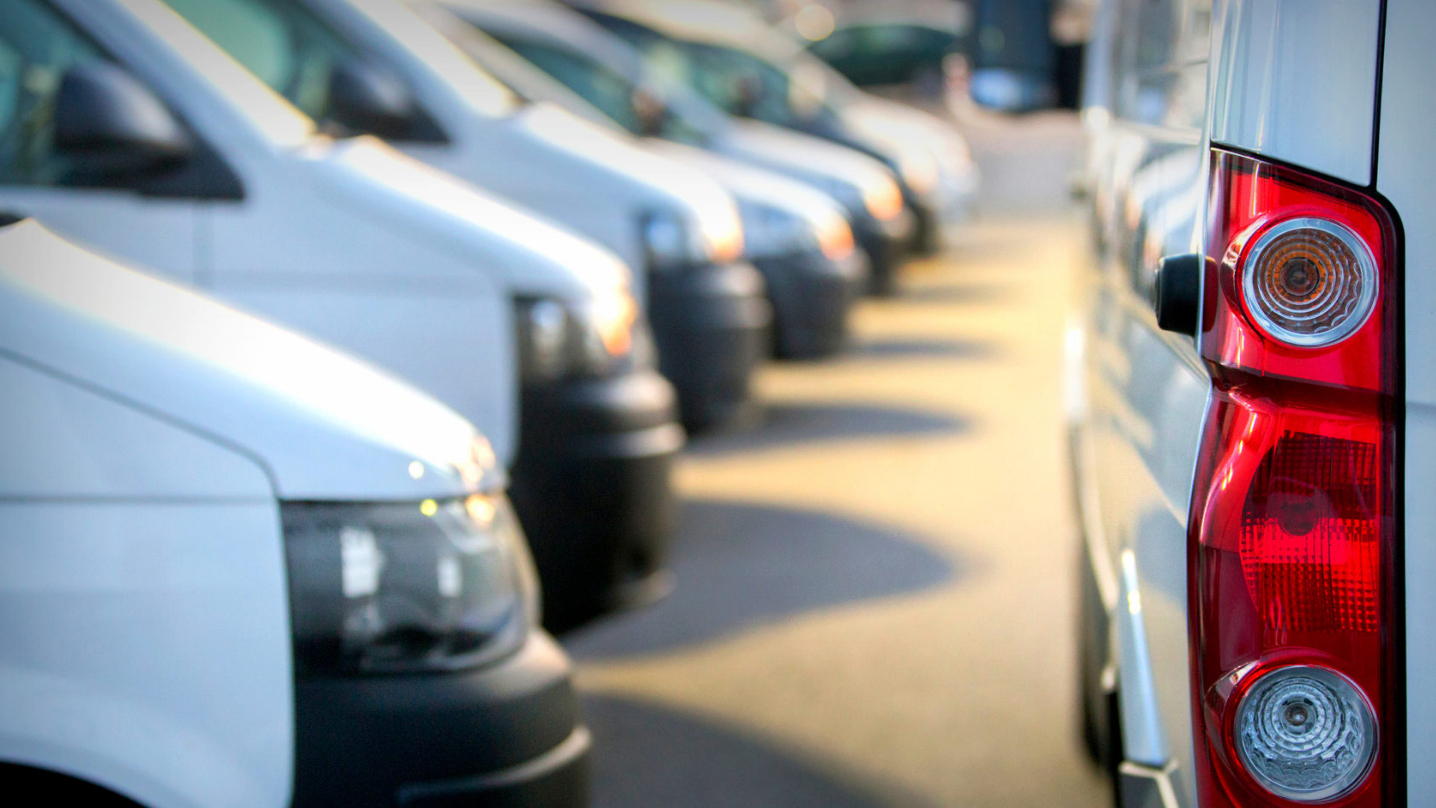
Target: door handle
1177 294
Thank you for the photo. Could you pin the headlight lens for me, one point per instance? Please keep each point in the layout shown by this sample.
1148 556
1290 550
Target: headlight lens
593 337
391 587
543 340
919 170
770 231
883 199
670 241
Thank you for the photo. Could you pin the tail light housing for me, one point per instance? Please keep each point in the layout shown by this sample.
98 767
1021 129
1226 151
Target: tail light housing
1293 543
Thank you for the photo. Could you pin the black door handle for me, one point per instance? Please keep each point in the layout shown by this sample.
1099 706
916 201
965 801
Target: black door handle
1177 295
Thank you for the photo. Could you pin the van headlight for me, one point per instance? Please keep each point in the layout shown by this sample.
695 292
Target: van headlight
847 194
918 169
394 587
878 196
883 198
671 241
592 337
771 231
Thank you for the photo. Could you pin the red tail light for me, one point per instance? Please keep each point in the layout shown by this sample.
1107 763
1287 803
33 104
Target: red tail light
1293 532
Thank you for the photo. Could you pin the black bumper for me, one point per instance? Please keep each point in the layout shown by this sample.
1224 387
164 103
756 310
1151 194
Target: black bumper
711 326
886 245
507 734
593 487
811 296
927 227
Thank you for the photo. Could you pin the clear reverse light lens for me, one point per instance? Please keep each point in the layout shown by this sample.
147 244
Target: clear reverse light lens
1310 282
1305 733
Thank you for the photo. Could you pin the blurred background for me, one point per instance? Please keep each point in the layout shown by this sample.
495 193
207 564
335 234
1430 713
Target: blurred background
876 583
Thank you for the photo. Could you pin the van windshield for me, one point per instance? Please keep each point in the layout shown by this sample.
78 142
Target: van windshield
678 116
284 45
295 51
766 82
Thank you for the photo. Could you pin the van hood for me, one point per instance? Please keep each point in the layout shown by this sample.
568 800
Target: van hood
323 426
686 189
896 124
756 186
530 255
809 159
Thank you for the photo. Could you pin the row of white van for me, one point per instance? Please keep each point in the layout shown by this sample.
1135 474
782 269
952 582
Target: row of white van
243 569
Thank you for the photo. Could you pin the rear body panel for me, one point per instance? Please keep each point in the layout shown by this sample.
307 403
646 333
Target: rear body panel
1406 176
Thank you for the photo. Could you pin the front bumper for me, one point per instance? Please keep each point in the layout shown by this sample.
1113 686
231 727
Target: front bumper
886 244
711 326
593 487
502 735
811 296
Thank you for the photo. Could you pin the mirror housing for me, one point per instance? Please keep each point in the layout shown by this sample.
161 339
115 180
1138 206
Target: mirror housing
113 128
370 100
649 112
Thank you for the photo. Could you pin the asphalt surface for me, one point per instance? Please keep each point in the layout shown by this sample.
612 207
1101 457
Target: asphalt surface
874 602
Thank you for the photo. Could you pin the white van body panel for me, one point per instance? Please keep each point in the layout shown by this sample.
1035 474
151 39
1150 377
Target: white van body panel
802 157
538 156
204 716
1295 80
758 187
148 432
319 425
1139 429
1406 176
363 248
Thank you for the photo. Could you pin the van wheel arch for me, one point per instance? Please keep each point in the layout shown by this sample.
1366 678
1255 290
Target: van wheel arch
54 788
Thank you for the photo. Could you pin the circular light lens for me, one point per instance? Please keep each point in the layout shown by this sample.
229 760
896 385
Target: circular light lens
1305 733
1310 282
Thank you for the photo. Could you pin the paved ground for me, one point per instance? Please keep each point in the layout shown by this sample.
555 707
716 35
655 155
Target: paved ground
874 603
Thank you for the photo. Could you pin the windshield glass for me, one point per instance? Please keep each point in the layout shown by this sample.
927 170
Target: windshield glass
791 90
280 42
643 109
297 52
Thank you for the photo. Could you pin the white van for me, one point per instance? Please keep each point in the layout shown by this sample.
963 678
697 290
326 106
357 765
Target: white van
746 67
796 235
615 77
240 569
1252 456
129 131
675 226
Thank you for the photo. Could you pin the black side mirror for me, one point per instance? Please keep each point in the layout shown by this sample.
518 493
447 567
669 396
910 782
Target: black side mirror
370 100
112 127
649 112
747 92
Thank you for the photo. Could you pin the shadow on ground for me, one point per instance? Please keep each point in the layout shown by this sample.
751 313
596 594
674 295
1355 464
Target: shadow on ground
786 425
920 349
646 756
739 566
949 293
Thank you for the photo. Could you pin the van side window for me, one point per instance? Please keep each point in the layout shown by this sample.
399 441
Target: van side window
37 48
